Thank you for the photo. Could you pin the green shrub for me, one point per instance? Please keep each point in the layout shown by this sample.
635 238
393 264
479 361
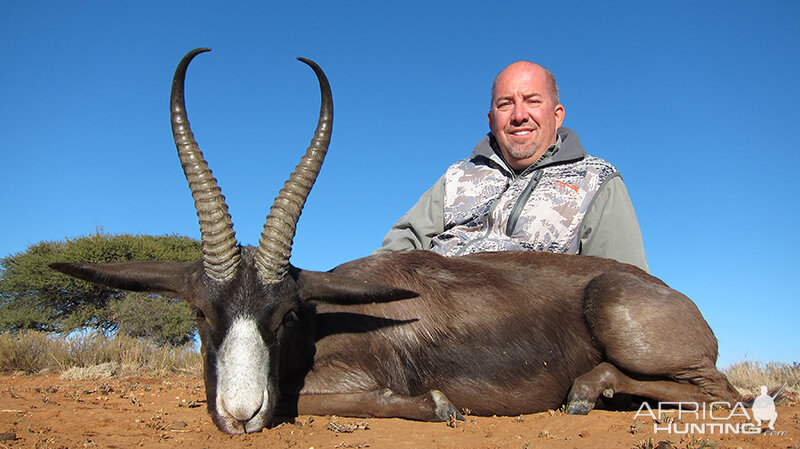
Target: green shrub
163 320
32 296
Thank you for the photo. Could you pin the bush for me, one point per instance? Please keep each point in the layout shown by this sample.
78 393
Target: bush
32 296
163 320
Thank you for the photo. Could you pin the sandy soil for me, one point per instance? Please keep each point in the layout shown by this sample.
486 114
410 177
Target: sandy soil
48 412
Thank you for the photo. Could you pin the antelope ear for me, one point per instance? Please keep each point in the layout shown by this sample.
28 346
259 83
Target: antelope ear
166 278
339 289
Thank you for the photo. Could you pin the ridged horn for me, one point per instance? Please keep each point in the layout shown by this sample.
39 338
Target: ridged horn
220 250
275 245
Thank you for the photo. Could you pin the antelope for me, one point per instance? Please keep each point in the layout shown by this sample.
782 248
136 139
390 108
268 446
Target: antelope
412 334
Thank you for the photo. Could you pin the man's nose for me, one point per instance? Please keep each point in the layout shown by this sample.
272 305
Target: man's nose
519 114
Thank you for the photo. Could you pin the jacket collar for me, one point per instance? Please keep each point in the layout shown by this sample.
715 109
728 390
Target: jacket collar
567 148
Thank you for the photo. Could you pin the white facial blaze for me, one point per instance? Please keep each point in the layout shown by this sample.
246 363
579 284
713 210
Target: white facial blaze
242 373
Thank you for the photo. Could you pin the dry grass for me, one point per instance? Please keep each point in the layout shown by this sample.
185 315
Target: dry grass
748 376
94 355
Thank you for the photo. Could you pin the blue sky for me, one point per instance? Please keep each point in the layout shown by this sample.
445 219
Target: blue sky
696 103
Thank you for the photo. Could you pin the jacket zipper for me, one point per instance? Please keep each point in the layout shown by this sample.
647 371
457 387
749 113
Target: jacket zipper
516 211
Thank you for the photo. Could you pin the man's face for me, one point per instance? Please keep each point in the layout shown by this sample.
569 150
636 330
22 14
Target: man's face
524 118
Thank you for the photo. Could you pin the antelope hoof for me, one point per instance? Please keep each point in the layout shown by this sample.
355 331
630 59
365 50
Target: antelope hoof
579 407
443 408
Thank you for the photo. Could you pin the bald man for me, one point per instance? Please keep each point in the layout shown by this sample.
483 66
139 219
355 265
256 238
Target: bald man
528 186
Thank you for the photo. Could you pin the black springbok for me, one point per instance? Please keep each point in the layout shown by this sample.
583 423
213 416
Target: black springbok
413 334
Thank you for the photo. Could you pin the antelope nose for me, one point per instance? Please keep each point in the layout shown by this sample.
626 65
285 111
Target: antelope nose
242 409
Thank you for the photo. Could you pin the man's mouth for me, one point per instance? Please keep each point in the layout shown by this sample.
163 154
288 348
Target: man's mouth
522 132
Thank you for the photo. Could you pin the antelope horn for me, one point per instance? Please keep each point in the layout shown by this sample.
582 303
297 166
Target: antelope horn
275 245
220 250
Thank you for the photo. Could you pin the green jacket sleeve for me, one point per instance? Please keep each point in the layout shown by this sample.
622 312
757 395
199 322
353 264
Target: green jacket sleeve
419 225
610 228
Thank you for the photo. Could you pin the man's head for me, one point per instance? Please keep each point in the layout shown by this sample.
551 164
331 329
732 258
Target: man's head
525 113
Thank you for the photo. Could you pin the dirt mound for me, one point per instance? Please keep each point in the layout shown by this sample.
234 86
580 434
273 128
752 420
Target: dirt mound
50 412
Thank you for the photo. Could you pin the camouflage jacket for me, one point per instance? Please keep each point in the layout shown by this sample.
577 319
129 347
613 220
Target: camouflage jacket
568 202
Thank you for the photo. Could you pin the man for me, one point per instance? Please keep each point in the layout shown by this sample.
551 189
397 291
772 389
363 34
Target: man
528 185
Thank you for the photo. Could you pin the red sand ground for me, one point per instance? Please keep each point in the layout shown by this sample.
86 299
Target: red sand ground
48 412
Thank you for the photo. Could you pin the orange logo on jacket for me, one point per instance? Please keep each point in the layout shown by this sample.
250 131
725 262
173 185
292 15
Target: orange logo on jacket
575 188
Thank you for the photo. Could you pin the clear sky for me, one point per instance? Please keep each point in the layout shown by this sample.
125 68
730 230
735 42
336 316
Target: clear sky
696 103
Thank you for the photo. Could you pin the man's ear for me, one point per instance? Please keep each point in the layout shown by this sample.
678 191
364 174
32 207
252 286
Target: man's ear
560 113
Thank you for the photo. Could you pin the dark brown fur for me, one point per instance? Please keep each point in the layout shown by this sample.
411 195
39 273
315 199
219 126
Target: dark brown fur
508 333
496 333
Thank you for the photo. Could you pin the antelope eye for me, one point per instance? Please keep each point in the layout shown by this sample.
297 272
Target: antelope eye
198 314
290 317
